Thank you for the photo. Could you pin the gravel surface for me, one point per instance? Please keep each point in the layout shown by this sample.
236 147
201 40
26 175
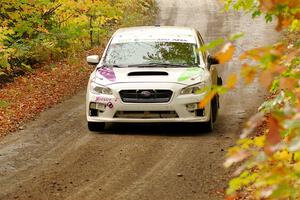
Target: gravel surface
56 157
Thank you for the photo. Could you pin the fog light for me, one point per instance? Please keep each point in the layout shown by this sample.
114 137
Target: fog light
192 107
98 106
92 105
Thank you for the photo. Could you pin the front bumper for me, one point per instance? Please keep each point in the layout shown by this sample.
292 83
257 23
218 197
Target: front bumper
110 108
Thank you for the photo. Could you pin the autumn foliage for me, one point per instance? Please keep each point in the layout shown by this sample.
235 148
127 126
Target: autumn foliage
53 36
268 152
35 31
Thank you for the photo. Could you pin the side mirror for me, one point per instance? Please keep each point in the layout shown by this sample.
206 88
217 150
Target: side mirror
212 60
93 60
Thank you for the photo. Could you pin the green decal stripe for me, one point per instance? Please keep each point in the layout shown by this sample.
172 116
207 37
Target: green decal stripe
190 72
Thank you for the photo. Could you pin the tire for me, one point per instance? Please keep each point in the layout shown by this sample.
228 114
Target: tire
209 126
96 126
215 108
219 81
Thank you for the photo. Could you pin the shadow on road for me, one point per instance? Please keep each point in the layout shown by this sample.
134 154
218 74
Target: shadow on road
159 129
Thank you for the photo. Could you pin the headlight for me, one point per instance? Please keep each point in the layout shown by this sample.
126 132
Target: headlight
99 89
193 89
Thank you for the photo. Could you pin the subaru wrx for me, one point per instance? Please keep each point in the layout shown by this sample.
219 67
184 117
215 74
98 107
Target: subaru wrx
152 74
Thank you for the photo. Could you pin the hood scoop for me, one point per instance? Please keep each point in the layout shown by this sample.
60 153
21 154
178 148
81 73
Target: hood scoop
148 73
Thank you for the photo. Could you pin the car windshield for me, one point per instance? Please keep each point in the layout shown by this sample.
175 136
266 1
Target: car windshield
139 53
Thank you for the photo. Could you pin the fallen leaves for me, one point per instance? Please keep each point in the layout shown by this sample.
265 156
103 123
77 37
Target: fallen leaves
27 96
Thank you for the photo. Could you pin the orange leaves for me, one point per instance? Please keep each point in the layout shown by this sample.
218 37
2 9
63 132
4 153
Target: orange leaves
285 18
270 63
207 99
283 22
248 73
231 81
267 5
230 84
270 5
255 54
287 83
273 135
266 78
226 53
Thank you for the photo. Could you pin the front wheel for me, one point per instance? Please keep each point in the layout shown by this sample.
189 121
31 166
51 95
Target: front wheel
96 126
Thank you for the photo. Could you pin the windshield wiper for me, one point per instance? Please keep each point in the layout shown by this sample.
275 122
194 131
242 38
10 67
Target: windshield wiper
159 65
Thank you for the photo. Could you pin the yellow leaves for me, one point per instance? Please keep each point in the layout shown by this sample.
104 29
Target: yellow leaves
297 165
231 81
283 155
226 53
259 141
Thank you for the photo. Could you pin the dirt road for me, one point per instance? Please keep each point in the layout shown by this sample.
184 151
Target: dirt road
56 157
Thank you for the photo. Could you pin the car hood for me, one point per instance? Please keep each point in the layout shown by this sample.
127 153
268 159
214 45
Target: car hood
186 76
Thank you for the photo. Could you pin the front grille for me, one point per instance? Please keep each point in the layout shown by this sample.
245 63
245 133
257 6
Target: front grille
146 114
146 96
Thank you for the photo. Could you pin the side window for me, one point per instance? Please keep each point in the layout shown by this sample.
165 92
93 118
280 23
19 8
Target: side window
202 44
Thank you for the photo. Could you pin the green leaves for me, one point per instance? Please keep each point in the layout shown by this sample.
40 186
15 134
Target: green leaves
212 44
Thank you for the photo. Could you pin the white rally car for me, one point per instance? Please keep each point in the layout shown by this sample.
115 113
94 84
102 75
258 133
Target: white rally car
152 74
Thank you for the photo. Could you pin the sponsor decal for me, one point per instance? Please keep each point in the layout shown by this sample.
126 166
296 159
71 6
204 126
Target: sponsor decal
190 74
107 101
107 73
101 99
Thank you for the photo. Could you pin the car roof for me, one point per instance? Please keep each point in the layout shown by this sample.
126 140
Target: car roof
155 33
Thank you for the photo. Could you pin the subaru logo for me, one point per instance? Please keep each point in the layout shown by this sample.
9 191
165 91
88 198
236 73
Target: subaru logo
146 93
